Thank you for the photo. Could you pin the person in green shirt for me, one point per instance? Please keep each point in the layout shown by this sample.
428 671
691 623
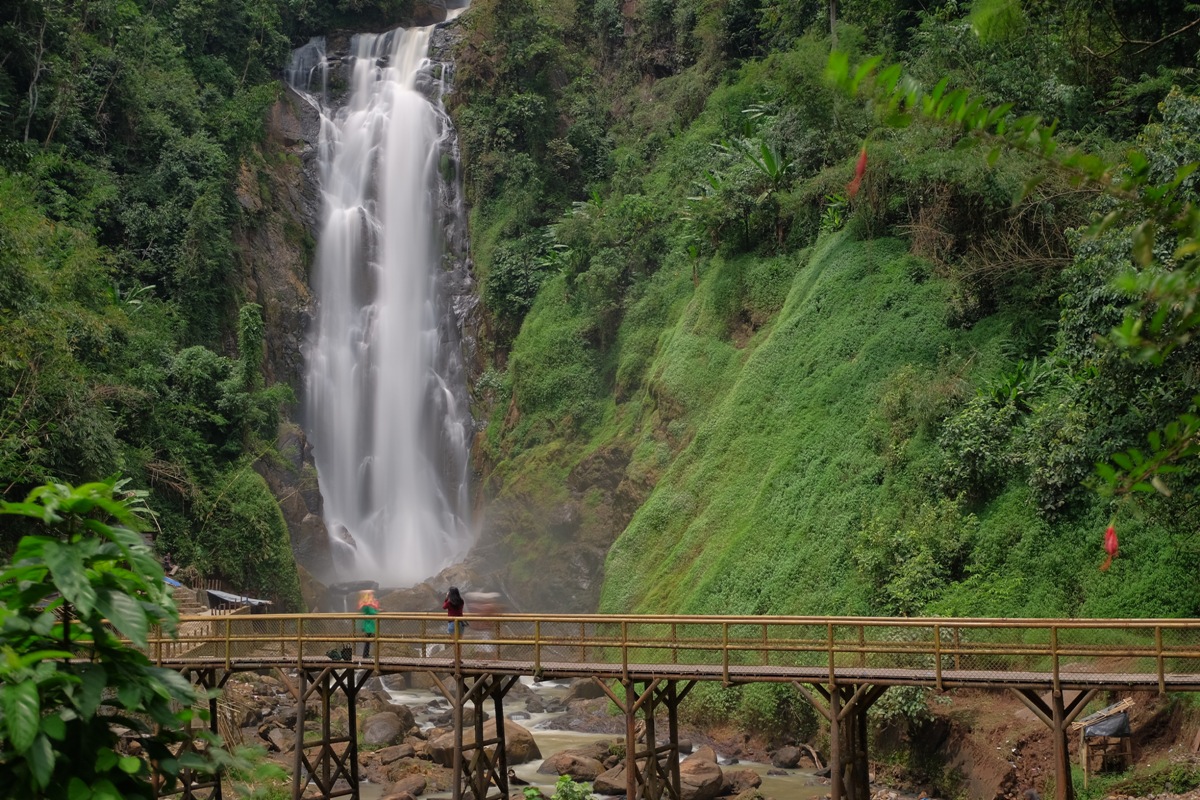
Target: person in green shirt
367 604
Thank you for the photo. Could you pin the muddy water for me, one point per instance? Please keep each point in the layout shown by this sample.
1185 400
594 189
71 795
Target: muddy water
796 785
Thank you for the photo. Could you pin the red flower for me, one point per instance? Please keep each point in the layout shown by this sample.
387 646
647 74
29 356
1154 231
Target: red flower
1110 546
852 186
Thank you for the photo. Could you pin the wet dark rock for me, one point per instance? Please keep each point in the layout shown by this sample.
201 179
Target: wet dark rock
786 757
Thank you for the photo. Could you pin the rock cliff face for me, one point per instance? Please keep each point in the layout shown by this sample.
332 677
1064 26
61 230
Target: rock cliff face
278 195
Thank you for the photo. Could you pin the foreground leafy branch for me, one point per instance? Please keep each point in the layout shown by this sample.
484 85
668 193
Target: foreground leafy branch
77 600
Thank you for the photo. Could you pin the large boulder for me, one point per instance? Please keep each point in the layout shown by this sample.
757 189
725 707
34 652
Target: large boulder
382 701
387 755
579 767
384 728
584 689
519 745
410 784
786 757
739 780
699 776
611 781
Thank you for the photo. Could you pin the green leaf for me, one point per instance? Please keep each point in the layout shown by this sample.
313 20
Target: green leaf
22 711
30 659
130 694
70 576
864 69
103 789
837 69
106 759
178 687
78 790
997 20
130 765
1143 243
126 615
94 680
41 761
54 727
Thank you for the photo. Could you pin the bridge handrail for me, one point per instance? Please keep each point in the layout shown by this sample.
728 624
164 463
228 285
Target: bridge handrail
931 648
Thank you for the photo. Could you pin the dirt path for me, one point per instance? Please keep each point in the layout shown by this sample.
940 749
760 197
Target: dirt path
990 746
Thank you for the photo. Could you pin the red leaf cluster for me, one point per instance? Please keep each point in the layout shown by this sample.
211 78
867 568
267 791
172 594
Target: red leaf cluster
1110 547
852 186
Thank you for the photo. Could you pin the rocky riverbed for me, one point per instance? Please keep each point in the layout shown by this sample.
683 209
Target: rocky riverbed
993 748
551 729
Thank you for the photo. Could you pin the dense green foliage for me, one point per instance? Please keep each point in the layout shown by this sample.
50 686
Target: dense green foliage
123 126
77 605
887 397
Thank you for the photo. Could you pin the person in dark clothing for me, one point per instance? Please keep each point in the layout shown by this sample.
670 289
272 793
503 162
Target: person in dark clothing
454 607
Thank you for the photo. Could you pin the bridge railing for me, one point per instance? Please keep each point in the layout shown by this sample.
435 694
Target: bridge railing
938 649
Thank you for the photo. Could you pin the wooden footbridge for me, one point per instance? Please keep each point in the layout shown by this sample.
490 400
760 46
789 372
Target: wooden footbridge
648 664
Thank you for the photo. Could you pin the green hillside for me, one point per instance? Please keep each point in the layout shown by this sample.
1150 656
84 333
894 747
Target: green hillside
810 399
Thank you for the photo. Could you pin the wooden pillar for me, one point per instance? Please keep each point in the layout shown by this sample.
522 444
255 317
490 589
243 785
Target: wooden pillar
474 766
297 745
479 775
1058 716
846 708
673 699
457 701
499 689
835 743
651 770
1064 789
651 782
326 767
191 785
631 769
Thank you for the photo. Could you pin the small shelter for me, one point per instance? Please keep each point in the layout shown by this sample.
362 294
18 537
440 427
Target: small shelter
1106 741
228 601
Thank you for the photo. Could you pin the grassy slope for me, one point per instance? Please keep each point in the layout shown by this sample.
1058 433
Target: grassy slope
792 459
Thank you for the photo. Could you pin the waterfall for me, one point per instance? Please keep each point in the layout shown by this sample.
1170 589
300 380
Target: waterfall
386 405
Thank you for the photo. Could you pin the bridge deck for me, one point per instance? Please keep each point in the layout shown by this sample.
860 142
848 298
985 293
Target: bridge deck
737 674
940 653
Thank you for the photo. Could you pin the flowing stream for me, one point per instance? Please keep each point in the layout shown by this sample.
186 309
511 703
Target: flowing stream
386 406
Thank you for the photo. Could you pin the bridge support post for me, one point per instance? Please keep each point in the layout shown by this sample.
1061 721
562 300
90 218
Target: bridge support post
845 708
651 769
1058 716
480 762
325 768
209 679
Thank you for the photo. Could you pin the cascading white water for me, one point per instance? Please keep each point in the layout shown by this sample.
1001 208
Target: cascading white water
385 402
